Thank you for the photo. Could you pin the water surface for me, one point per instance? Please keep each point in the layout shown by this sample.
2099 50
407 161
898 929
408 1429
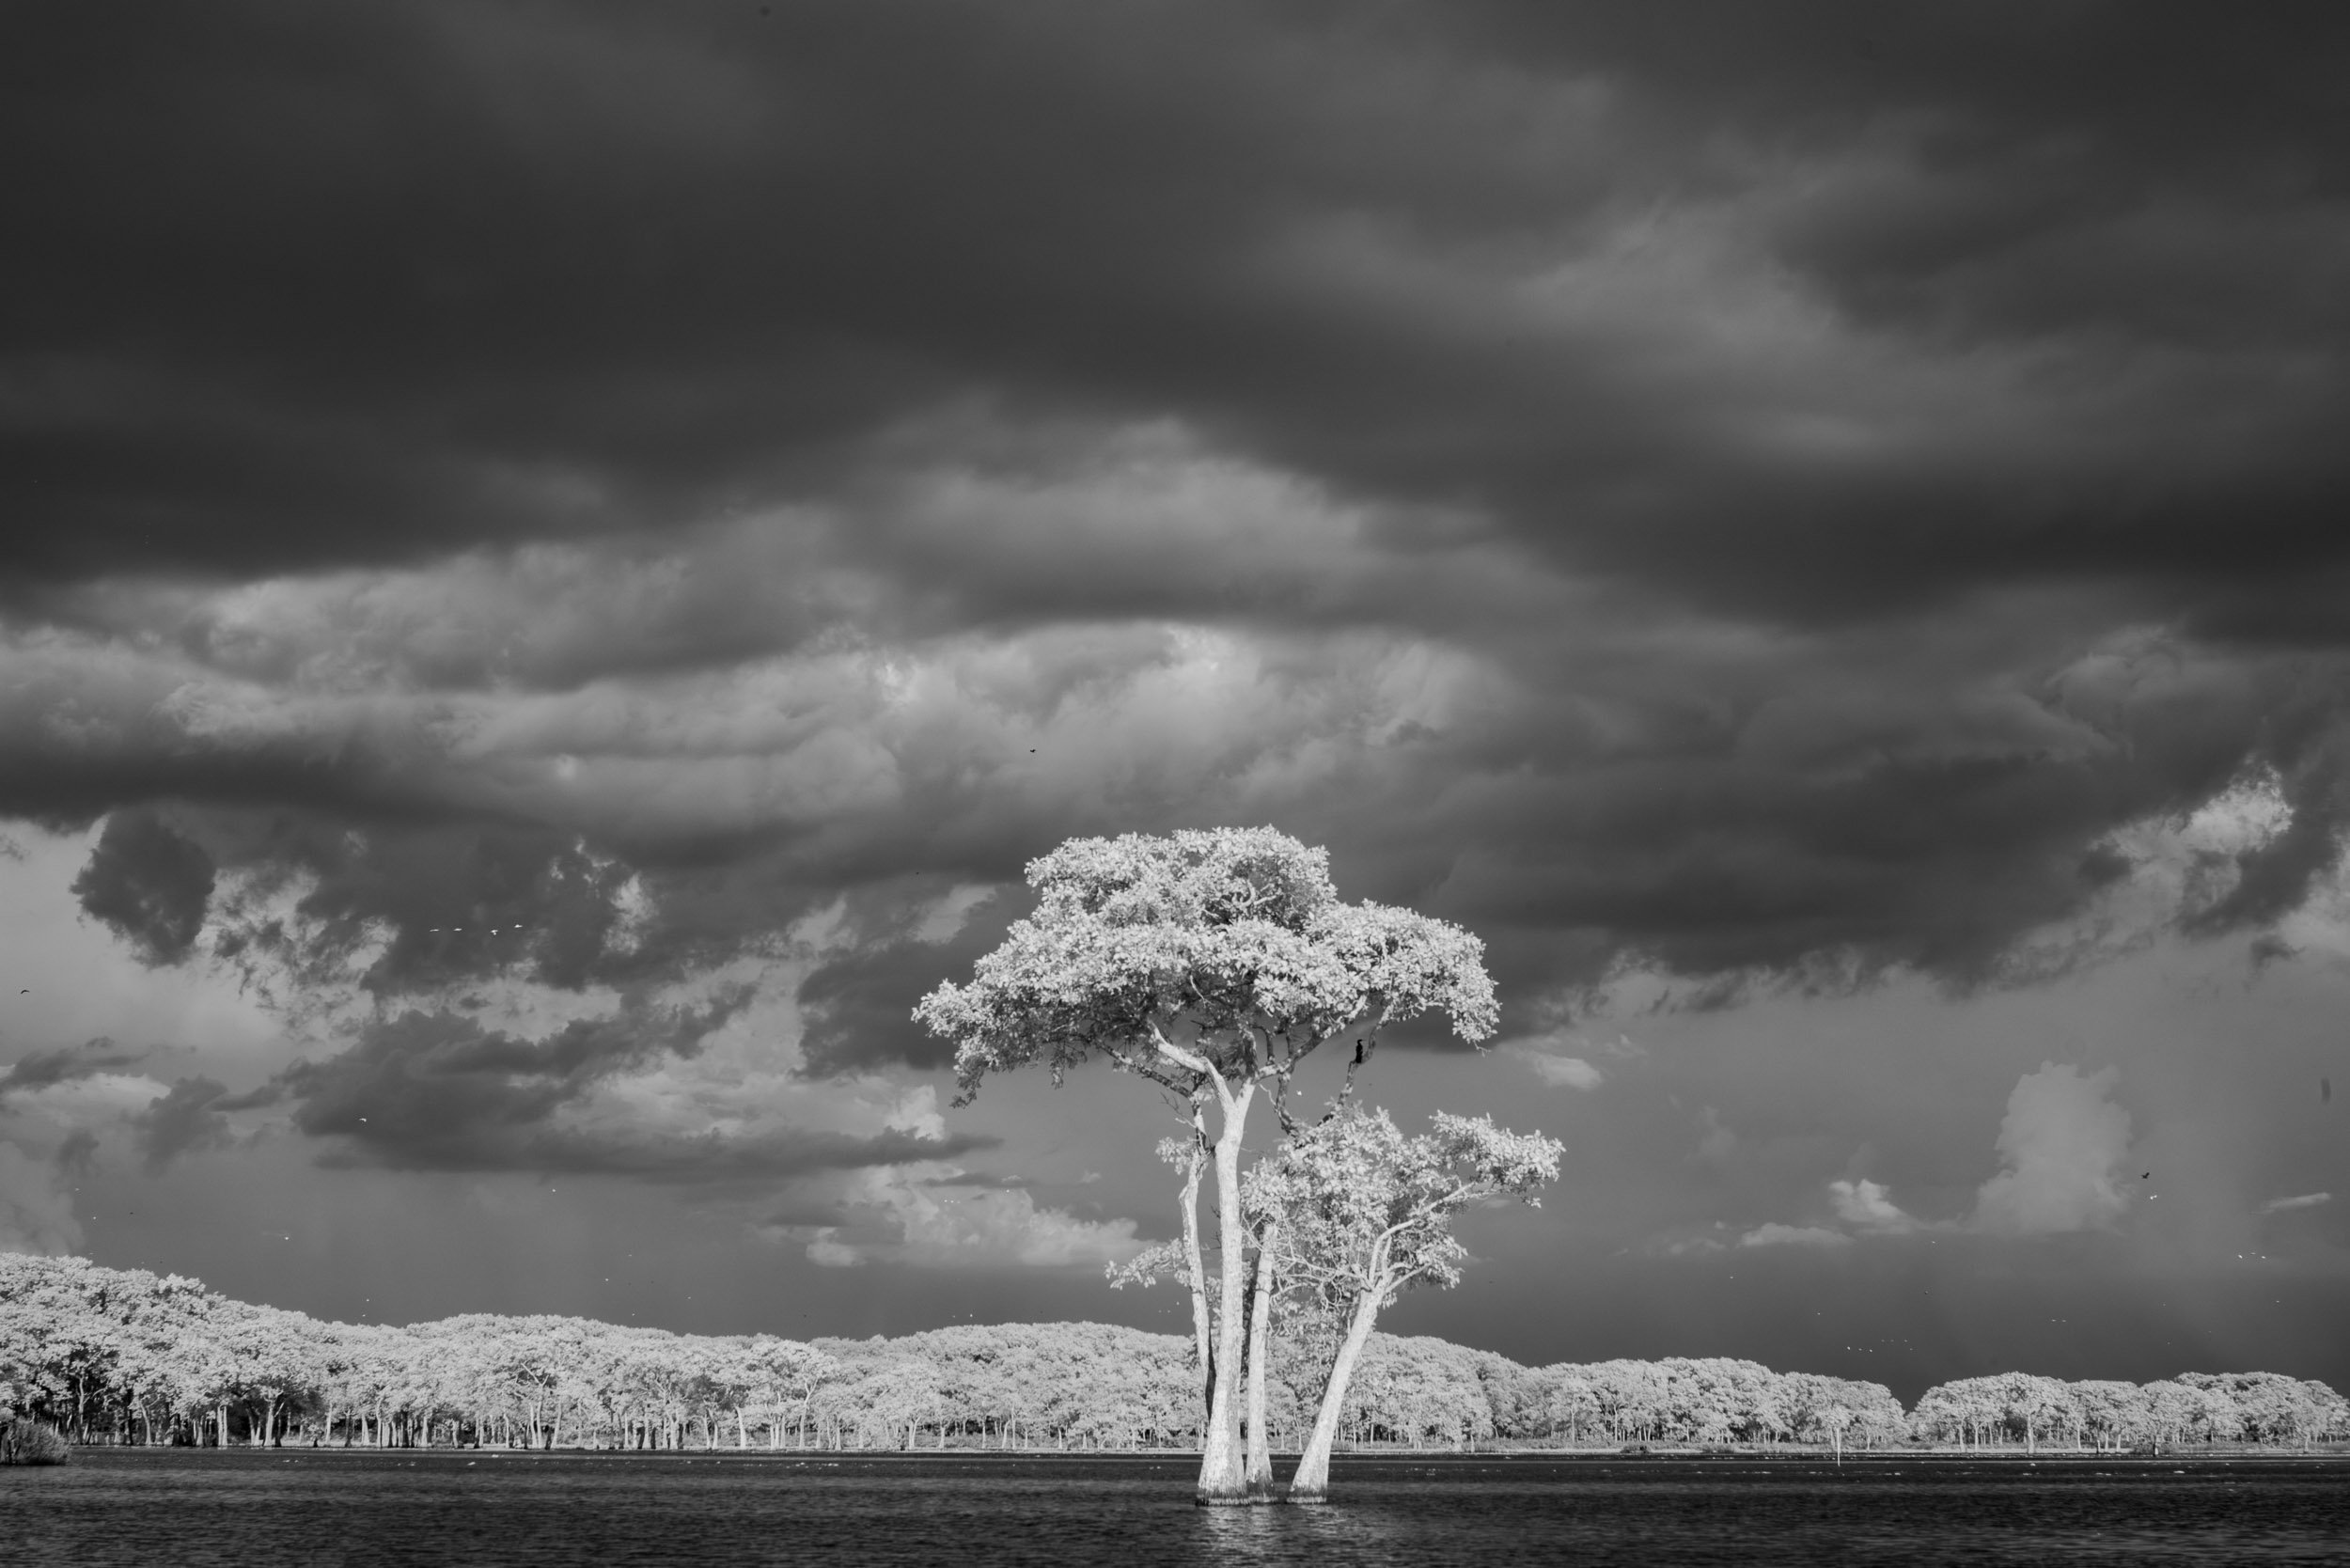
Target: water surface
246 1510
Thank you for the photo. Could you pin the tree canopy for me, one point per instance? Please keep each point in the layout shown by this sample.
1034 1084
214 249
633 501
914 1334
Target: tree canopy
123 1355
1222 953
1353 1213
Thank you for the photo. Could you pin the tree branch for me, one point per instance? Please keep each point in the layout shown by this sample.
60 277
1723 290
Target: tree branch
1197 1063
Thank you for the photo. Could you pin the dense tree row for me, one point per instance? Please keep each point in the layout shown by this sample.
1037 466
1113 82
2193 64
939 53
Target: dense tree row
2197 1408
127 1357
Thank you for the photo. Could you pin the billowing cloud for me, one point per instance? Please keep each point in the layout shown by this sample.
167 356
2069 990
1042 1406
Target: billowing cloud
1546 1056
150 883
38 1070
1565 1071
2063 1143
1868 1206
940 1222
439 1090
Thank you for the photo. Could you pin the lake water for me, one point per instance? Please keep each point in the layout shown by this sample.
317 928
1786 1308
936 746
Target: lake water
246 1510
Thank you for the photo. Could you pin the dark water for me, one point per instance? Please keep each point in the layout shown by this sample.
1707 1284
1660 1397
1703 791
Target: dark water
486 1511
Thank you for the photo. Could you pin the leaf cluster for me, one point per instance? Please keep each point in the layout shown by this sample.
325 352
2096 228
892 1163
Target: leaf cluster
1359 1207
1218 954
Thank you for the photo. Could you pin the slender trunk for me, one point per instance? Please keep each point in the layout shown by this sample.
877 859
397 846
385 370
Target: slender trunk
1260 1352
1222 1476
1311 1481
1196 1262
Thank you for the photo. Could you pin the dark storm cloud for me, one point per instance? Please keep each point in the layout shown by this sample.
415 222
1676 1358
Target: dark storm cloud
458 903
858 1008
1764 837
2276 878
150 883
434 906
1795 412
41 1068
438 1091
306 284
186 1117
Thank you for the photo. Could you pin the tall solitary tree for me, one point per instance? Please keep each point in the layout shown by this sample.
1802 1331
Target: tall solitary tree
1212 964
1359 1213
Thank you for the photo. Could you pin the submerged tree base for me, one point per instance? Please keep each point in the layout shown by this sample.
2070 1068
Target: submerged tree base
1206 1499
1309 1499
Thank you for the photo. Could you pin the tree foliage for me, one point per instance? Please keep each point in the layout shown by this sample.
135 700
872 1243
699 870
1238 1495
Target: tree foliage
1352 1212
1365 1213
2017 1409
128 1357
1223 953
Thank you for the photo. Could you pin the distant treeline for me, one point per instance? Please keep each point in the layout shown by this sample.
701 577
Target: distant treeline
112 1356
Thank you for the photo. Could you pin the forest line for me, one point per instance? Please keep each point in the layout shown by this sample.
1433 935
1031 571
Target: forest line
112 1356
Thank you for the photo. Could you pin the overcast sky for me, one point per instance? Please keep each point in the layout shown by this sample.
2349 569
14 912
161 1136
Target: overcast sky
558 560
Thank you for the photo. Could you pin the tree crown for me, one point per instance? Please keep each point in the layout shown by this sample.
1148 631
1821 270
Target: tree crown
1361 1207
1221 955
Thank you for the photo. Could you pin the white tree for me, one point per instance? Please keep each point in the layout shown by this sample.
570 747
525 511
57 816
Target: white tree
1359 1213
1211 964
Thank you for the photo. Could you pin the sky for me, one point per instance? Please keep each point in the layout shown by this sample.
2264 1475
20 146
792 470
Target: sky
560 561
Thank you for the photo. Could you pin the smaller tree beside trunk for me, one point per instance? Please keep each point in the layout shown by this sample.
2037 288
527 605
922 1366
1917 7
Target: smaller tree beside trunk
1354 1213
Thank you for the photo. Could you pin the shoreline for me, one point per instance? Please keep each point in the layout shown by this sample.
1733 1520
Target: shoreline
2330 1453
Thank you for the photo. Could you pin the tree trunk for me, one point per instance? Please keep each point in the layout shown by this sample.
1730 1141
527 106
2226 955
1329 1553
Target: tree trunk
1311 1481
1260 1352
1197 1264
1223 1478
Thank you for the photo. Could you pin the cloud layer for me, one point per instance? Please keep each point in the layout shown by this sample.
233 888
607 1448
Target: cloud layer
577 552
1703 512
